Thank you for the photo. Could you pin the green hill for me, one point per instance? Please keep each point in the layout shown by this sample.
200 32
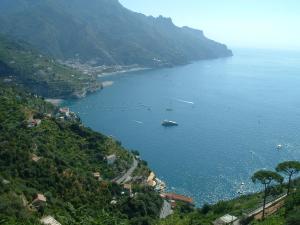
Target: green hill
57 159
39 74
104 31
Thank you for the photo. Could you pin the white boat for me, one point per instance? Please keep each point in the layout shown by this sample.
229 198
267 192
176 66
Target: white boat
279 147
169 123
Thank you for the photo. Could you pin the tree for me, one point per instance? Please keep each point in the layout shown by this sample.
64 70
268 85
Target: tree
293 217
266 178
289 168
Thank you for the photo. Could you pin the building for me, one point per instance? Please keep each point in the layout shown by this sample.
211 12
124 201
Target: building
35 158
34 123
150 180
49 220
113 202
7 80
96 175
111 159
128 187
65 111
5 182
39 200
176 197
226 220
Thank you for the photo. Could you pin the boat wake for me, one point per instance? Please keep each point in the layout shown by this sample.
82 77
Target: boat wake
139 122
184 101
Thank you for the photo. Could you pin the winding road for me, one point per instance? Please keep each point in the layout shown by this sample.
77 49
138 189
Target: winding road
127 176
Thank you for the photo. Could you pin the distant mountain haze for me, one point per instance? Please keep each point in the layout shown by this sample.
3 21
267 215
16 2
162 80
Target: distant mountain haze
104 31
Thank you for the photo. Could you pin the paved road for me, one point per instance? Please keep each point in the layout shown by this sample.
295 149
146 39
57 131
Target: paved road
127 176
260 209
166 210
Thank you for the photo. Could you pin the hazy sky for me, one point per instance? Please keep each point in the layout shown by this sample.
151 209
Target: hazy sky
238 23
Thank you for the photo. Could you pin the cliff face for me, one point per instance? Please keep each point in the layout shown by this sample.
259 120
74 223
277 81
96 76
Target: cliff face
106 31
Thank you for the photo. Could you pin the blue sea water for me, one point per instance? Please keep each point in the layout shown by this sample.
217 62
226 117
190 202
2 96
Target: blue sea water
232 113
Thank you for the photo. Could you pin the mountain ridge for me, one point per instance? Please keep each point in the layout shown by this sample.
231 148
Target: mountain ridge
105 31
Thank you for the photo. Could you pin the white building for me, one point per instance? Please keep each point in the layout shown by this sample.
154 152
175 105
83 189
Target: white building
49 220
111 159
226 220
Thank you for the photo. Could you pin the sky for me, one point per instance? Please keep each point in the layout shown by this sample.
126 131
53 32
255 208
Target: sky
271 24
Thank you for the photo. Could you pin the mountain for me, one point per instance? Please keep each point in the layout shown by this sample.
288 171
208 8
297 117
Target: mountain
105 32
21 64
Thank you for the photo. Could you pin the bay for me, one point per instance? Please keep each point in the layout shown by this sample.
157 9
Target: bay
232 114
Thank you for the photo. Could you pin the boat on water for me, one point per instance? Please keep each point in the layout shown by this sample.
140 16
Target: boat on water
279 147
169 123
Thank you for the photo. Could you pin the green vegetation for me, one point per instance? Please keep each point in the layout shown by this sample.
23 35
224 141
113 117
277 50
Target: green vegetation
289 168
57 159
104 32
40 74
277 219
239 207
266 178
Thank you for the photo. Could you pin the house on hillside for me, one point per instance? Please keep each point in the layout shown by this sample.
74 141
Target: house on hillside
39 200
97 176
7 80
226 220
5 182
128 188
34 123
35 158
111 159
65 111
66 114
150 180
49 220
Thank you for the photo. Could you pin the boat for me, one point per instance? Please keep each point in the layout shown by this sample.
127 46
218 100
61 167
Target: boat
279 147
169 123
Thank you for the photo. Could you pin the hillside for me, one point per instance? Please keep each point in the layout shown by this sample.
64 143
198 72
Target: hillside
40 74
51 165
104 32
59 159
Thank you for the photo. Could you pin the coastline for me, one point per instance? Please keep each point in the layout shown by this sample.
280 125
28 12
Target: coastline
55 101
135 69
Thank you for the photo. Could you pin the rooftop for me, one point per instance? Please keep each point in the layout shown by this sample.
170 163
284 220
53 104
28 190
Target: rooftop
64 110
177 197
96 174
40 197
113 156
49 220
127 186
226 219
35 158
151 177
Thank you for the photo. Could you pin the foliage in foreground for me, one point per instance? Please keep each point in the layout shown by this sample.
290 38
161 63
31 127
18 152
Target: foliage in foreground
69 154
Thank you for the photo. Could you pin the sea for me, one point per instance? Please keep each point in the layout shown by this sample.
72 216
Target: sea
232 115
